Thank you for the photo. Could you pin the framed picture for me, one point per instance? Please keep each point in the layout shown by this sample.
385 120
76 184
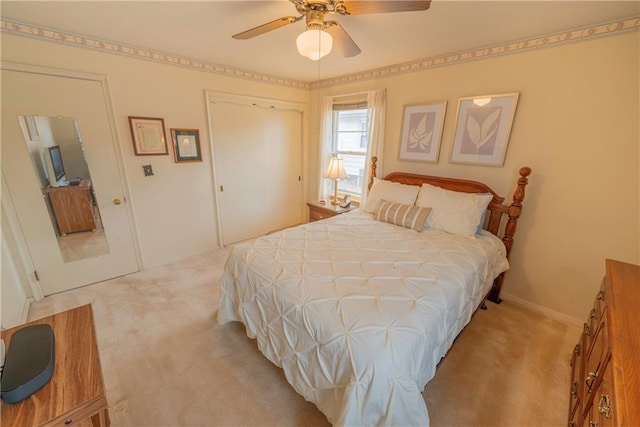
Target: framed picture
422 132
148 136
483 126
186 145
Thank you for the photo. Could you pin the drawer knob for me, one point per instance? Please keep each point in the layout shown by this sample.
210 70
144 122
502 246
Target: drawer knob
576 350
604 405
586 329
574 389
68 421
600 295
592 315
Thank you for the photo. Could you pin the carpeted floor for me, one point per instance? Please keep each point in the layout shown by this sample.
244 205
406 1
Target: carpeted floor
166 361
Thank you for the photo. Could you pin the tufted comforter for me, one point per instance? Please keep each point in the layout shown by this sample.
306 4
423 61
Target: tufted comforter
357 312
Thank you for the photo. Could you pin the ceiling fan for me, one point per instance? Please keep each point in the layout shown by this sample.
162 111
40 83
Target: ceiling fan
321 34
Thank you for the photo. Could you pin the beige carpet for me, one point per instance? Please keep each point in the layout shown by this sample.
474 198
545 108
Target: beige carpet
166 361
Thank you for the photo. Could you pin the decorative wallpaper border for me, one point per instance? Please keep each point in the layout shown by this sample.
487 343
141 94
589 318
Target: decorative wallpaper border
604 29
41 33
599 30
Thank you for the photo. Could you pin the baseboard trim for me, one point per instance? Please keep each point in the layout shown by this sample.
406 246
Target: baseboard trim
25 309
556 315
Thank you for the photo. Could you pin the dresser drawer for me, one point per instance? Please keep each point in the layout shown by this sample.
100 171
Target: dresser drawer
601 408
315 215
596 359
575 390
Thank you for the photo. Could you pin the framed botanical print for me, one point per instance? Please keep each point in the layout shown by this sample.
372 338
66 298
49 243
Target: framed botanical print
483 126
422 132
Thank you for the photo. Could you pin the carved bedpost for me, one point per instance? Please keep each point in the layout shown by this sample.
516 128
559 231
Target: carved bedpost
374 160
514 213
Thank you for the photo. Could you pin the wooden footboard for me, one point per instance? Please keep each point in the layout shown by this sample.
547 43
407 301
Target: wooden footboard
504 229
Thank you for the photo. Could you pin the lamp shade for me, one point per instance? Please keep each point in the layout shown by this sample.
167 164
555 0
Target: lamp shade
314 43
336 170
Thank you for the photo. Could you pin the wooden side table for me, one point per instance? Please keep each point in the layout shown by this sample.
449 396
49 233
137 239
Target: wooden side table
76 389
318 211
73 207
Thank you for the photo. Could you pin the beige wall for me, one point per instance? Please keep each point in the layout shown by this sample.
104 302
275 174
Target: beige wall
174 209
576 126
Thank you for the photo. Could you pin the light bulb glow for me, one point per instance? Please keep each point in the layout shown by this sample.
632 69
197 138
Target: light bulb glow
314 43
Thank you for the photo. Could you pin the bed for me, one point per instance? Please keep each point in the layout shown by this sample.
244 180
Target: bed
357 310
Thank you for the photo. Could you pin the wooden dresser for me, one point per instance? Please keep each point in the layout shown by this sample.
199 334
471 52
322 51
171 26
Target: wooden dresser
605 378
318 211
73 207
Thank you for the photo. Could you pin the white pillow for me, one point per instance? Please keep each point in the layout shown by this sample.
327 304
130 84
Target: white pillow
391 191
453 211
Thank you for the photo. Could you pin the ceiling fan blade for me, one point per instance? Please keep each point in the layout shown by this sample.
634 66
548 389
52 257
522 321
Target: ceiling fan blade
364 7
341 40
264 28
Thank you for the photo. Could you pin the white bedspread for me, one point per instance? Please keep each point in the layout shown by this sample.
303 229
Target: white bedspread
357 312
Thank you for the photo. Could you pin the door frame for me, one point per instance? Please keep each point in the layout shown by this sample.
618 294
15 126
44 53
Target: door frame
22 251
213 97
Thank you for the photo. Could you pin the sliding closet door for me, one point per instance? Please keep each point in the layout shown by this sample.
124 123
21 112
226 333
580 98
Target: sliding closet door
257 149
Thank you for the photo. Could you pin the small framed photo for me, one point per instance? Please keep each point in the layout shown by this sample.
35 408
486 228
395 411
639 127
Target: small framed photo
483 126
148 135
186 145
422 132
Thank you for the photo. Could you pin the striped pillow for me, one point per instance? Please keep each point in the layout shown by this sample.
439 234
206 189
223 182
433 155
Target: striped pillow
403 215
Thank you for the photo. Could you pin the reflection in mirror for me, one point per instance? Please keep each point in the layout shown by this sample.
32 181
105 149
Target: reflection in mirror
56 151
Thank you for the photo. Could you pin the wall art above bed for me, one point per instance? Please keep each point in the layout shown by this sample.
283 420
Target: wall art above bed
483 126
422 132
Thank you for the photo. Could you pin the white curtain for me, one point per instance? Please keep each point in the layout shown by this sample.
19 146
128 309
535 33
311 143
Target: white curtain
376 107
326 134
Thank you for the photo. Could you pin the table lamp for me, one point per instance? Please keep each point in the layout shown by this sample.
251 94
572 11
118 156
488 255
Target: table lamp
335 171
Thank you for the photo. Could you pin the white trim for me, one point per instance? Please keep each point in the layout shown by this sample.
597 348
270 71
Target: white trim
15 232
547 312
25 310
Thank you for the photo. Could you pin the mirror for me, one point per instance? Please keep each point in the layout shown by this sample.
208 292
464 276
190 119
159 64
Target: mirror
61 168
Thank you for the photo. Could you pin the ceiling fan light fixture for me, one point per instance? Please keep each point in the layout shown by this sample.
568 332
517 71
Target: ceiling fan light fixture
314 43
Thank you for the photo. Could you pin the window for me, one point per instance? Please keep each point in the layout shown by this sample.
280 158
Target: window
349 142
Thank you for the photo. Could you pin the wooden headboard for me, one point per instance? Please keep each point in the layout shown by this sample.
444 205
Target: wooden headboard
497 209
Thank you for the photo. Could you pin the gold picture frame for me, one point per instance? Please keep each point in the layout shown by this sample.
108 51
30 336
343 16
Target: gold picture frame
186 145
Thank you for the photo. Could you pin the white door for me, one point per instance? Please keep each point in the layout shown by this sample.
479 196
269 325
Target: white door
37 96
258 167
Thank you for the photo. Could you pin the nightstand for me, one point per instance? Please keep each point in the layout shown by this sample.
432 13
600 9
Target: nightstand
318 211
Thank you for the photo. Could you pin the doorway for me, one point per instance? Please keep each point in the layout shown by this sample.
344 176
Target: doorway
62 167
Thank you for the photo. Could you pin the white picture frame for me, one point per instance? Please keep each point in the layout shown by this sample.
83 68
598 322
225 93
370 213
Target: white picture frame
483 127
422 132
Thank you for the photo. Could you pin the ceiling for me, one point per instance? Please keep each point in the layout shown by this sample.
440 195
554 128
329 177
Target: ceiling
203 29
